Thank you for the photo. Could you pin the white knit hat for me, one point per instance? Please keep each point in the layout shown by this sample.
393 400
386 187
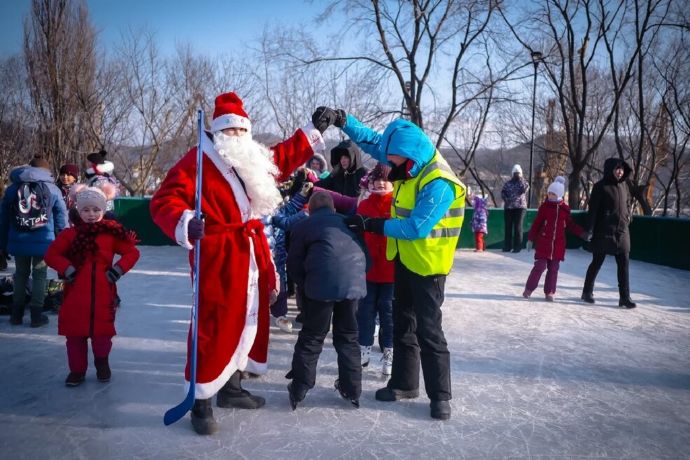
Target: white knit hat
558 187
91 196
517 169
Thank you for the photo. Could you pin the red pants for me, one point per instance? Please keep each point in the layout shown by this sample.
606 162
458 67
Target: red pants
479 241
77 351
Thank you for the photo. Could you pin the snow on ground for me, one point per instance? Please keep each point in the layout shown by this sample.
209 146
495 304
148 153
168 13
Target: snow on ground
531 379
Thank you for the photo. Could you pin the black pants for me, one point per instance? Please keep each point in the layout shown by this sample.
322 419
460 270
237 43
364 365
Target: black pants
622 262
513 219
417 333
315 325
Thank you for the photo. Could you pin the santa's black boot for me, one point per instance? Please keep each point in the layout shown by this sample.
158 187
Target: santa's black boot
232 395
202 417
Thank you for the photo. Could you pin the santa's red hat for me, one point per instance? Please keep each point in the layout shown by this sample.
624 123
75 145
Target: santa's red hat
229 113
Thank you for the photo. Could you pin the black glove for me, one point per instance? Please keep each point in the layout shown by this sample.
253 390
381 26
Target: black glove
195 229
113 274
358 224
70 274
324 117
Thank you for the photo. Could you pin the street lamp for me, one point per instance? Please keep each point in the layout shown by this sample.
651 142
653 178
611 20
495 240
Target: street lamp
536 57
405 108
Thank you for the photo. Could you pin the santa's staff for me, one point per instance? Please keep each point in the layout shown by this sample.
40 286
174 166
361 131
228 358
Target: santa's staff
177 412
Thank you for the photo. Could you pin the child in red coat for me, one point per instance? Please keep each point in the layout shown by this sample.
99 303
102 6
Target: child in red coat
83 256
548 234
379 298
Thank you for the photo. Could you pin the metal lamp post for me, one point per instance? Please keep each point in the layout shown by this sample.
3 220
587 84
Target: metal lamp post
536 57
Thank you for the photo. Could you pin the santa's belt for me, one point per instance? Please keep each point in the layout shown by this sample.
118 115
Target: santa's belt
250 228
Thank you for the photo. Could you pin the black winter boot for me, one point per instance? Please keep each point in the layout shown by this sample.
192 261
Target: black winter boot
202 417
625 302
38 321
440 410
587 297
390 394
232 395
102 369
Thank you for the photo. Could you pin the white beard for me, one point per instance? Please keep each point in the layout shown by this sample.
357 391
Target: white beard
254 165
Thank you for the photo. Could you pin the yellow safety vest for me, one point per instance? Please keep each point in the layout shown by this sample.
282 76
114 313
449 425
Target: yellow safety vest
432 255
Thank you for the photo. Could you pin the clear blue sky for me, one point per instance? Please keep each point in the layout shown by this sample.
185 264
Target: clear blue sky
210 26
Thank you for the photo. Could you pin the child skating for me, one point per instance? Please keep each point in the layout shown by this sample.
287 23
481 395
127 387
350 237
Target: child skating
548 234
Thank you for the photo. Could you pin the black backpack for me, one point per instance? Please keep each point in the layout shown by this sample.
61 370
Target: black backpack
32 207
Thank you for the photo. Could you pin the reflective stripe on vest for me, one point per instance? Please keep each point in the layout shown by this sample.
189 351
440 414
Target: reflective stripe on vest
433 254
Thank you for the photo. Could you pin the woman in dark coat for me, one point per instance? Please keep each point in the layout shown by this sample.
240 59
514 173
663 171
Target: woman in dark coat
609 217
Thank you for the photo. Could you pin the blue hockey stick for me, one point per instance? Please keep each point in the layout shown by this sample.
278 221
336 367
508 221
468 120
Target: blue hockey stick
179 411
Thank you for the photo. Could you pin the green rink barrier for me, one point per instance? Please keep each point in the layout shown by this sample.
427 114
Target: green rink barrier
658 240
134 214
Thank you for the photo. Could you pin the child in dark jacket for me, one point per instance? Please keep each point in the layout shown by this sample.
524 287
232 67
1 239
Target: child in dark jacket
328 263
548 234
379 298
83 256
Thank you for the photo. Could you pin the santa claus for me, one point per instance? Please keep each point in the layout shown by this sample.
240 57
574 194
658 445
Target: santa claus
237 275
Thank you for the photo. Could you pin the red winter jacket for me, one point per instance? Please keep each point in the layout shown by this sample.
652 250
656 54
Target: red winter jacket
548 230
377 205
88 307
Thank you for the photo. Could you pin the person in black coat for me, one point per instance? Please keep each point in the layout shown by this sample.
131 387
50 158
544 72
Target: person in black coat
347 170
609 217
328 263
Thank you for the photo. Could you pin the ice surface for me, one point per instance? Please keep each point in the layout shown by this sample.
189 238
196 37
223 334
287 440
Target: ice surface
531 379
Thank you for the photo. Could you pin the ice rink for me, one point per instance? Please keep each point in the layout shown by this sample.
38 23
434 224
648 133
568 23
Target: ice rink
531 379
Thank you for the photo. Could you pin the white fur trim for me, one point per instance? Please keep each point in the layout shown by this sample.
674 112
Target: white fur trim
106 168
181 236
229 174
256 367
230 120
318 145
240 359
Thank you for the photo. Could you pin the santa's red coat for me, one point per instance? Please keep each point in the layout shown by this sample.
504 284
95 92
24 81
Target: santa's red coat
548 230
233 325
88 305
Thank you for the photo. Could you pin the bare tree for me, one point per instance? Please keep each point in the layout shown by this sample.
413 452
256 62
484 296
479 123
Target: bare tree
15 137
586 43
60 62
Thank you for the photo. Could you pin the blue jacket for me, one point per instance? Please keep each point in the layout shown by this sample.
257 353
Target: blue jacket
34 243
326 260
275 228
404 138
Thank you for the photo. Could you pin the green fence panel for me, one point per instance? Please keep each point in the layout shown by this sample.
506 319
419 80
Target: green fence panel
134 214
659 240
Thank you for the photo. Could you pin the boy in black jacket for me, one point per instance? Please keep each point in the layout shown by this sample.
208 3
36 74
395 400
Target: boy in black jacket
328 263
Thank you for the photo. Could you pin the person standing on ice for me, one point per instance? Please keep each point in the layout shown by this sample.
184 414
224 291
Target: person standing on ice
426 217
83 256
237 276
609 217
548 234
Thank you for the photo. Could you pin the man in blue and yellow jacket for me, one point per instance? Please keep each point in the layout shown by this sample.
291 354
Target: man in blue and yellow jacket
426 217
